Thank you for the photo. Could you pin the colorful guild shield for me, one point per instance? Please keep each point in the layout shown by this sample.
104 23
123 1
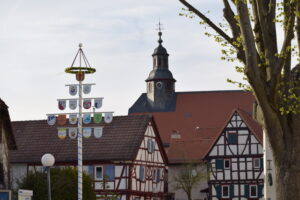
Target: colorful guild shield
108 117
73 90
72 104
87 118
61 119
73 118
98 103
97 118
61 104
51 119
62 132
87 103
98 131
87 89
72 133
87 132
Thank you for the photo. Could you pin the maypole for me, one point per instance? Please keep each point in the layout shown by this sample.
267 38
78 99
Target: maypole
80 117
80 72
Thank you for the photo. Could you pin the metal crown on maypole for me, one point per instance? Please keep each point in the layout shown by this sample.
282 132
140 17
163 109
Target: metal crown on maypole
80 70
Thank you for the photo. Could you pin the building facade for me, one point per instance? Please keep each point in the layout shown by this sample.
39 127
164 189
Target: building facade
128 161
235 161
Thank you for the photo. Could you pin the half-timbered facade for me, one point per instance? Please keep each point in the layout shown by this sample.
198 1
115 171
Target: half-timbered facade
235 161
128 161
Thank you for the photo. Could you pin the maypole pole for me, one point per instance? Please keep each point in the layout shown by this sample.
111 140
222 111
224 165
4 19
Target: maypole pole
80 72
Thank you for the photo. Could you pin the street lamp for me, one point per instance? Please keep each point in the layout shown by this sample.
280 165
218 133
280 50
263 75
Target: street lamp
48 161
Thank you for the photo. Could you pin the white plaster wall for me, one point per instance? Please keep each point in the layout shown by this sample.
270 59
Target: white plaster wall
180 194
269 191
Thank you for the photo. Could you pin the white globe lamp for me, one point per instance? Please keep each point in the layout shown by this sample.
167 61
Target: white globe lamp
48 160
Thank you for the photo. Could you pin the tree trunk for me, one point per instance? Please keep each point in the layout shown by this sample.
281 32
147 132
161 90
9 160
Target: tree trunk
287 156
288 181
189 196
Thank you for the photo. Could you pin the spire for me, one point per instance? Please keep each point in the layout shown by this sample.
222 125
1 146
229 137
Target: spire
160 50
159 32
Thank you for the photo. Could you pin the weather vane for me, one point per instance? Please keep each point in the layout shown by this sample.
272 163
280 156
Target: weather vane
159 26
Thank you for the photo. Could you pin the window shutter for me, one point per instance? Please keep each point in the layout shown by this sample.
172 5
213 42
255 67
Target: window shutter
142 173
261 163
218 191
219 163
91 170
158 175
260 190
150 145
246 190
110 172
232 138
231 191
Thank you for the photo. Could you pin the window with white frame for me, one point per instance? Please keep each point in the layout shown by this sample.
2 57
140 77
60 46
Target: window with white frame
253 191
226 163
256 162
225 191
98 172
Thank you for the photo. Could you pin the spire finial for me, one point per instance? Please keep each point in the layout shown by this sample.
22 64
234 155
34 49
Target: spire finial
159 28
80 45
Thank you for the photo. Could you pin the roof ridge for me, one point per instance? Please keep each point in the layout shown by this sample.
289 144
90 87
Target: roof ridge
116 116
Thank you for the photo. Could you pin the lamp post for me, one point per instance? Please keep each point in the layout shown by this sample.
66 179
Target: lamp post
48 161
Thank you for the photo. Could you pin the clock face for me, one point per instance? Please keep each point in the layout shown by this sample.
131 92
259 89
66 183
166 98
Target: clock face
159 85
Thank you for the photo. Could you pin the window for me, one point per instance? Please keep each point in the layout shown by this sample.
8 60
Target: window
98 173
253 191
150 145
142 173
219 164
232 138
149 87
226 163
256 162
225 191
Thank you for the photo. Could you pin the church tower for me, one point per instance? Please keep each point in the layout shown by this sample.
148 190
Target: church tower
160 82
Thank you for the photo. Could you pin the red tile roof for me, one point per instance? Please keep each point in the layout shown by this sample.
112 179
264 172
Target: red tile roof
199 117
120 141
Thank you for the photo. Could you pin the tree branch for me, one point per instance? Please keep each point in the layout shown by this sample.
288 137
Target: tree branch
298 27
289 35
208 21
266 14
252 70
235 29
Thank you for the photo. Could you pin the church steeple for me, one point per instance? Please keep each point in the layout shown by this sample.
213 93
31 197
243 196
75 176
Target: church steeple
160 82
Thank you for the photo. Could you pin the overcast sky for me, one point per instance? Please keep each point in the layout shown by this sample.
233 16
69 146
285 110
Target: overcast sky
38 39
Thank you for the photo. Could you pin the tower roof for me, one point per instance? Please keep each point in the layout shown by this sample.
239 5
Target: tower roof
160 74
160 65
